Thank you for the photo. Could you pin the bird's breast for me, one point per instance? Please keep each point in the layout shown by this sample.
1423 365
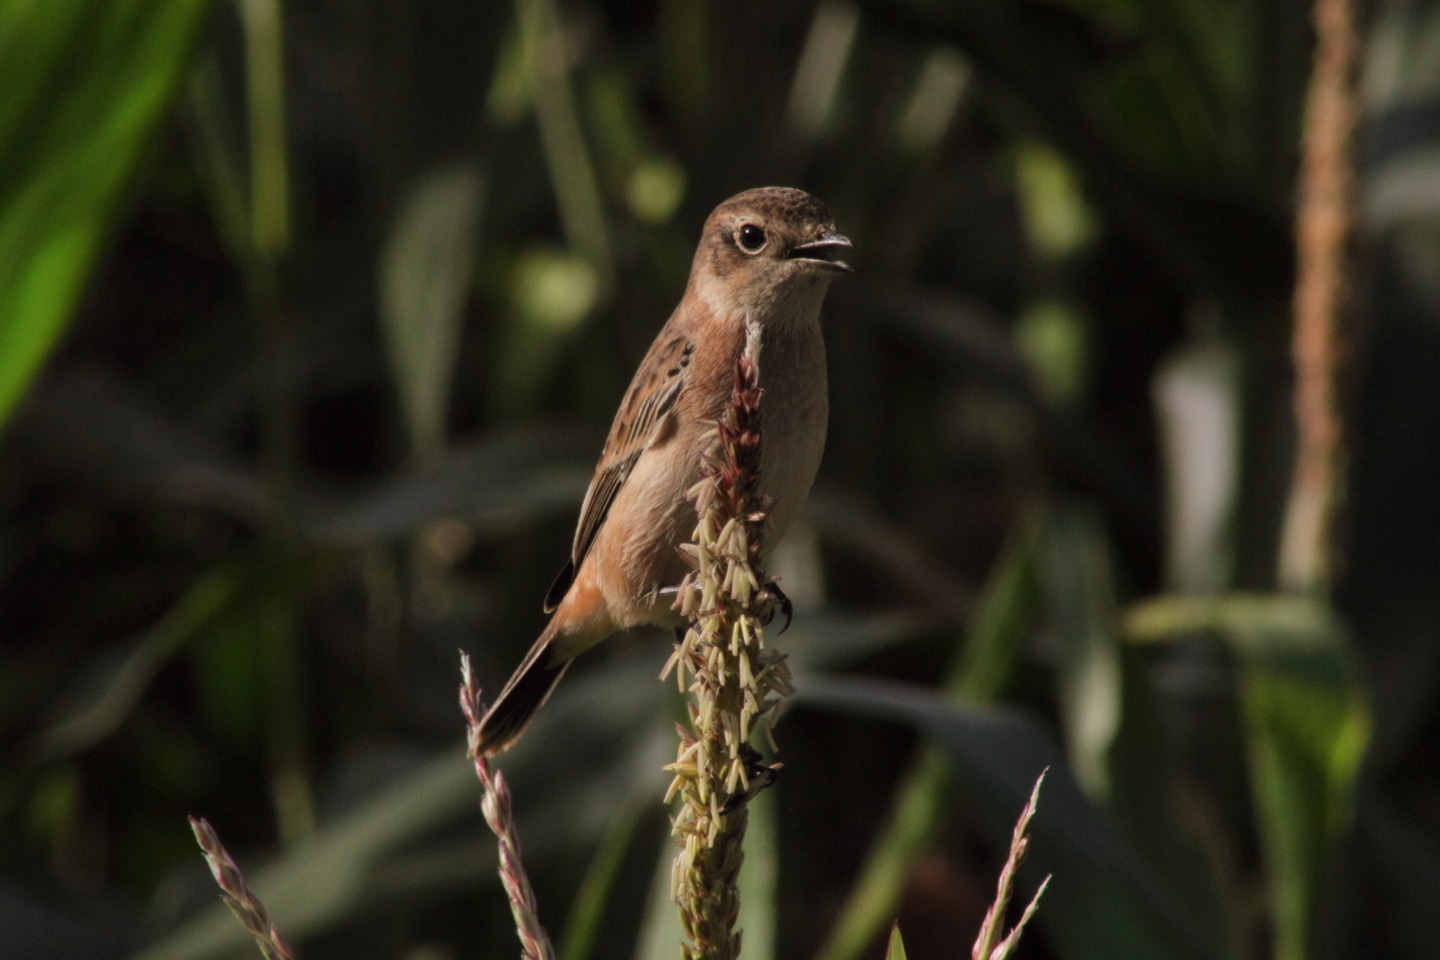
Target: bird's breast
794 415
652 514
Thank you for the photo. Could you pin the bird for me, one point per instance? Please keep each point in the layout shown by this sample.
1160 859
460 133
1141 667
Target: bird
765 260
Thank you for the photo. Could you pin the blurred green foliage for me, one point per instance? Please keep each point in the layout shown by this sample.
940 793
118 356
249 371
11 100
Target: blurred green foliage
330 304
87 87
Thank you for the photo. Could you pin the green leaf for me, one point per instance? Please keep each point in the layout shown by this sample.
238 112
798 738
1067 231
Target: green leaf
918 808
660 931
552 292
105 695
334 875
1075 568
1198 396
87 83
1306 725
500 482
1106 900
759 878
424 279
1305 741
583 926
895 949
1280 631
1306 732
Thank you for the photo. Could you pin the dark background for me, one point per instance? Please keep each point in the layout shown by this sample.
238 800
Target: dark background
325 393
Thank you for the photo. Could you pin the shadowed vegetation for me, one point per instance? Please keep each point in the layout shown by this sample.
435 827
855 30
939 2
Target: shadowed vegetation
313 316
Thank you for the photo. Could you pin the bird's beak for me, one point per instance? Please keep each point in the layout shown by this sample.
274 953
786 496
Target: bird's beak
824 251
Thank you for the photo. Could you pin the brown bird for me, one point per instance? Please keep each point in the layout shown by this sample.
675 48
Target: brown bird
766 256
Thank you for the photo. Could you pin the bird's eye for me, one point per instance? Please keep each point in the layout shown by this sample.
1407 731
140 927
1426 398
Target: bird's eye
752 238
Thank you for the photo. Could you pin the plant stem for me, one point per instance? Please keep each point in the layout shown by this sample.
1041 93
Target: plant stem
735 680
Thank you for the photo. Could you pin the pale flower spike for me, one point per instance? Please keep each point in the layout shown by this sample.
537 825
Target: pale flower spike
986 947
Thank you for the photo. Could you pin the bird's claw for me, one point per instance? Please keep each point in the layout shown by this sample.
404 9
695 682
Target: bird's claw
772 588
783 602
759 774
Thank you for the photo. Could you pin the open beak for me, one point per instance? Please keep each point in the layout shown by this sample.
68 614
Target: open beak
824 251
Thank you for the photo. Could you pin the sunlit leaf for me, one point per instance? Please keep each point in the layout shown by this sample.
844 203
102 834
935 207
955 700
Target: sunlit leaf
1306 739
552 291
424 279
1197 400
1054 339
1295 633
942 83
542 33
656 187
1079 591
895 948
813 92
1056 217
87 83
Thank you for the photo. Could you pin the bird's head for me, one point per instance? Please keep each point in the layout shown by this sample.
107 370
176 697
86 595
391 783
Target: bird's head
769 248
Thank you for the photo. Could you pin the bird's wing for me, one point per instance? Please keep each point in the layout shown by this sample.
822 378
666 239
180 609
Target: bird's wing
644 421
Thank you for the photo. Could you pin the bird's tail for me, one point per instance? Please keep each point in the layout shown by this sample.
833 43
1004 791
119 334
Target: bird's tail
525 693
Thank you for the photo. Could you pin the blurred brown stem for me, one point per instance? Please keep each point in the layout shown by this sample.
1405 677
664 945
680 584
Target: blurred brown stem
1324 228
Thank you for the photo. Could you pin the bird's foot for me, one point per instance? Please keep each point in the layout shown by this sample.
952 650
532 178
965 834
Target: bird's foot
770 594
759 774
779 601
